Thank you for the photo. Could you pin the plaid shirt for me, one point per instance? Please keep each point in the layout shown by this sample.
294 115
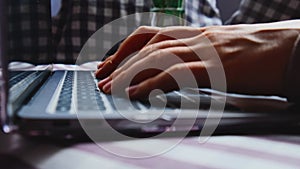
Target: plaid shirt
30 31
37 38
259 11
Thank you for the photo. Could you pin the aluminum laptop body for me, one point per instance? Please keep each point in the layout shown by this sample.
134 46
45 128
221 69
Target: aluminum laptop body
64 103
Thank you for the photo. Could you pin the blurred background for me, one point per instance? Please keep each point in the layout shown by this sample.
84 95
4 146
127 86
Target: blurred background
54 31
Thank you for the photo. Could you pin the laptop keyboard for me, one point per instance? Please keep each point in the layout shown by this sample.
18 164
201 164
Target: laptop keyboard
65 96
20 81
16 77
79 92
88 94
79 87
21 85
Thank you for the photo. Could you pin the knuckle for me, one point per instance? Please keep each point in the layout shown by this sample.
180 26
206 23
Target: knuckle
148 84
157 54
155 57
143 28
160 55
122 74
176 69
115 73
210 34
147 30
118 75
155 60
168 43
149 48
166 32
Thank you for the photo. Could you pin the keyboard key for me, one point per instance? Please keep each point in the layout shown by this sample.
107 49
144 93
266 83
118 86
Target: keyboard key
65 96
88 96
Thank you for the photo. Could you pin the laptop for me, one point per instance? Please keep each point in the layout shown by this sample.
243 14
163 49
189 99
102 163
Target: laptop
68 104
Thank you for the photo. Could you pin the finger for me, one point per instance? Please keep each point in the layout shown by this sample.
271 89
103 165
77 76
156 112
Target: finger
146 52
164 81
102 63
150 66
133 43
176 77
186 53
157 63
144 34
162 59
106 69
103 82
100 66
171 45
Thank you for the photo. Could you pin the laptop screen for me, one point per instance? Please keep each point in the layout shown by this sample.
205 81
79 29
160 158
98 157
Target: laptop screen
3 62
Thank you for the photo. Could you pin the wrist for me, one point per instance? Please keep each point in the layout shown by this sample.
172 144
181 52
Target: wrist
292 80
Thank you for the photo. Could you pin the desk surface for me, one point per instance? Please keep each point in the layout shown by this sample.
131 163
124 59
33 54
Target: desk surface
218 152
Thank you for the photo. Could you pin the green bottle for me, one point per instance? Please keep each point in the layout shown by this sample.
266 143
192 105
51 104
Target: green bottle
167 12
167 3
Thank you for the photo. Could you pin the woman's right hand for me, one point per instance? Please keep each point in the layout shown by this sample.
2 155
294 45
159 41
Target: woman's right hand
140 38
253 57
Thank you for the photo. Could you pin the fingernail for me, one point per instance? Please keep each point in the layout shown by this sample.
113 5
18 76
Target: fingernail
131 90
107 87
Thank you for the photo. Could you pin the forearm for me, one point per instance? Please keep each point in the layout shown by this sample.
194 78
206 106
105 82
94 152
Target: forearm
292 78
290 24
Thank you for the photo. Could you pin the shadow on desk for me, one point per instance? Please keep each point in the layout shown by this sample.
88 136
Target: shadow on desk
11 162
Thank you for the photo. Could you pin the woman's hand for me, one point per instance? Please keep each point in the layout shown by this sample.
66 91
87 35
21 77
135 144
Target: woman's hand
140 38
254 58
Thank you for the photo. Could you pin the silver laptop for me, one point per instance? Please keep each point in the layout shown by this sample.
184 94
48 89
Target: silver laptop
68 104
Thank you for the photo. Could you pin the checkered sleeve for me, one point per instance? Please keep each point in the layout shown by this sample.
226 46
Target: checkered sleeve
202 13
79 19
37 38
262 11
